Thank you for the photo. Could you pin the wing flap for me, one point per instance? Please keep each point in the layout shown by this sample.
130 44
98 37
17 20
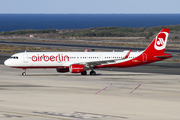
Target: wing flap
94 63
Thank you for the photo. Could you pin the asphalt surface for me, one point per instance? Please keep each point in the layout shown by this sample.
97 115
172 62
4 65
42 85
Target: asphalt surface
44 94
171 68
77 46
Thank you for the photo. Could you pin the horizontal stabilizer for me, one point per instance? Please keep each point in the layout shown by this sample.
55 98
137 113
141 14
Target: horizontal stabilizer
163 56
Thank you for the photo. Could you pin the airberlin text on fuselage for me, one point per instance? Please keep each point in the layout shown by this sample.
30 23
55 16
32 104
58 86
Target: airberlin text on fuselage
52 58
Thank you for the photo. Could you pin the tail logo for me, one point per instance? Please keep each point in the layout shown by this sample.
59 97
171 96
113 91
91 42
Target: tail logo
160 42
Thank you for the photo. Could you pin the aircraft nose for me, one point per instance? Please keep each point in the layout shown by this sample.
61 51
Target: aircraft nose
7 62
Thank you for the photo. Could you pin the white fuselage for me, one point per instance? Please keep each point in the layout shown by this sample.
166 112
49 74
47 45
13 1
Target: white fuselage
50 59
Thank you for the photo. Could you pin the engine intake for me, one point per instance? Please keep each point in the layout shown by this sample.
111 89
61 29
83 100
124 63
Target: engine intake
76 68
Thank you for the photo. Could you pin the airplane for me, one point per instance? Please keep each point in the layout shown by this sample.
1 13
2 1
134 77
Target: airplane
80 62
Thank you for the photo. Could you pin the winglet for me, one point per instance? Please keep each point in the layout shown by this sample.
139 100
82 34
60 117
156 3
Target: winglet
86 50
127 55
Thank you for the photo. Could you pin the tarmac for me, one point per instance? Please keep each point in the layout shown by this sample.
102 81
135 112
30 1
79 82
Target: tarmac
78 46
133 94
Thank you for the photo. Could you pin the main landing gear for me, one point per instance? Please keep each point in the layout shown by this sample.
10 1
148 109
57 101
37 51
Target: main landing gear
84 73
24 72
91 73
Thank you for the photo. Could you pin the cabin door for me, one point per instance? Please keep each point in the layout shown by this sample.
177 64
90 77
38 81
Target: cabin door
100 57
25 58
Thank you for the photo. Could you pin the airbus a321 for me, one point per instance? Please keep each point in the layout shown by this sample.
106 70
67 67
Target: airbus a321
81 62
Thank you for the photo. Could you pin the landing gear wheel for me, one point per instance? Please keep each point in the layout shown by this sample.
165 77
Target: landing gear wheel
84 73
24 74
92 73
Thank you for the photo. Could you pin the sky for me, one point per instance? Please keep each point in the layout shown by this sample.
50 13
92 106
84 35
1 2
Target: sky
89 6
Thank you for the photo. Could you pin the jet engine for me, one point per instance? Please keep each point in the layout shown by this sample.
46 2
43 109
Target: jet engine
76 68
62 69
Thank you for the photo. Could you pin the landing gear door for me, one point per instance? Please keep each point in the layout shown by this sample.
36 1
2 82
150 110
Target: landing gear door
25 58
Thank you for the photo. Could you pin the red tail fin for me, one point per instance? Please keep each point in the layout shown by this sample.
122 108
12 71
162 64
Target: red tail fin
158 45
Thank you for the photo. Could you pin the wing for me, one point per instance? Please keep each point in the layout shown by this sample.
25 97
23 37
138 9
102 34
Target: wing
94 63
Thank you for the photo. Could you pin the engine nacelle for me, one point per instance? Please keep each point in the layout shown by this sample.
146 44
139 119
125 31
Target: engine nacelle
76 68
62 69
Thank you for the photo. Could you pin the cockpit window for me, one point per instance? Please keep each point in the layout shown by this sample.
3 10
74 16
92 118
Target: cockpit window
13 57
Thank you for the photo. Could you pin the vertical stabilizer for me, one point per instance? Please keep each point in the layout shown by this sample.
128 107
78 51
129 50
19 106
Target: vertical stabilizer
158 45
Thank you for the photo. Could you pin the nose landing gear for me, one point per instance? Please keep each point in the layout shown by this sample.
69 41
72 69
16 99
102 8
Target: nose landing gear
24 72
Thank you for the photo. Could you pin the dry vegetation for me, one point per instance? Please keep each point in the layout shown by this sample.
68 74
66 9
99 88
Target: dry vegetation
110 36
